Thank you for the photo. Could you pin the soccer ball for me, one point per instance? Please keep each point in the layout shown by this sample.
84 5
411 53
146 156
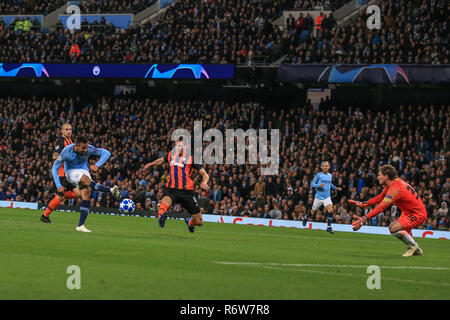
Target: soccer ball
126 206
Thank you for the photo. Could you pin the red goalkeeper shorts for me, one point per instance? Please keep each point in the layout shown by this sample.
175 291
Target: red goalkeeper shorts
411 221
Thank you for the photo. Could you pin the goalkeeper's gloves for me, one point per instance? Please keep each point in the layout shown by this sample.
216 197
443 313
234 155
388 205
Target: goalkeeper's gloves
359 222
358 203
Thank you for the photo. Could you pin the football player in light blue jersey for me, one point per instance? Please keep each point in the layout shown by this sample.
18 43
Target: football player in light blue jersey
75 157
322 181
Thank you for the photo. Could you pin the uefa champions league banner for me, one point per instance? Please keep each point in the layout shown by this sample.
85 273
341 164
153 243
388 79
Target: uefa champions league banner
419 233
124 71
357 73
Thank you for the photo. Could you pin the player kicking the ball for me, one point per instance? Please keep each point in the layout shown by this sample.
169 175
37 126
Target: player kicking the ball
322 181
406 198
75 158
179 187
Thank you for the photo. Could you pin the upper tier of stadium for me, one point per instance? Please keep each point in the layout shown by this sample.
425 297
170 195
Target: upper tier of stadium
233 31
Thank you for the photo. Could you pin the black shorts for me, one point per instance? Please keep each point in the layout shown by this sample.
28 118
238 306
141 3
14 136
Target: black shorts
187 198
66 184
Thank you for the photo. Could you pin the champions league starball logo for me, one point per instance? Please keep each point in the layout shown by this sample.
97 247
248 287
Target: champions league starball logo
38 68
197 70
350 74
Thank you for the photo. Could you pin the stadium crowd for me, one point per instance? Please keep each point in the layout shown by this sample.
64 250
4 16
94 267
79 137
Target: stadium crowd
29 6
412 32
117 6
319 4
241 32
412 138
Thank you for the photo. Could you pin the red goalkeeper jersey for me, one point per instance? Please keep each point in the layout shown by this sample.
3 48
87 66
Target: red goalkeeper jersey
404 197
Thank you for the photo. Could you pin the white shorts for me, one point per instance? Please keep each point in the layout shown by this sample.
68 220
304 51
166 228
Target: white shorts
74 175
319 202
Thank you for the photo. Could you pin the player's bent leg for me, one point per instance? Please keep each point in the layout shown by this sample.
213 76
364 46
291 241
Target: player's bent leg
190 202
195 220
84 209
77 192
166 202
403 233
70 195
54 203
88 182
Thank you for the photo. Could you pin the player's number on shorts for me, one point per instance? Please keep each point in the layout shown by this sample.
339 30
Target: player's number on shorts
413 192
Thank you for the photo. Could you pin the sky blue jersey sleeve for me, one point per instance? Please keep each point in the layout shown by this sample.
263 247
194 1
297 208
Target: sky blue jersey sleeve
99 152
316 181
56 165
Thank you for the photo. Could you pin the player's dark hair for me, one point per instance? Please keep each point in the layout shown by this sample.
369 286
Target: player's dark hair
81 139
389 171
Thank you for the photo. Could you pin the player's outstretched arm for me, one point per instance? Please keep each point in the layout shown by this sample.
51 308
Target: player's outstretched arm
391 196
374 200
358 203
205 176
335 188
157 162
104 156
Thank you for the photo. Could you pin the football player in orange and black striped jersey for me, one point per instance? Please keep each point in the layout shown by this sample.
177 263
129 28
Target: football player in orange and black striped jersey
71 191
179 187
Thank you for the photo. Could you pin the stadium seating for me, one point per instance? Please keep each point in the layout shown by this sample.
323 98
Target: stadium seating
354 143
416 32
242 33
29 7
117 6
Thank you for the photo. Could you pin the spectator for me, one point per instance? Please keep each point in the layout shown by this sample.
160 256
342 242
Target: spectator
275 213
443 210
319 19
260 186
74 50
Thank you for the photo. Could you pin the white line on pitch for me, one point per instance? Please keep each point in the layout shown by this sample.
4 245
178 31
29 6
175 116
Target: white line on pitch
327 265
361 276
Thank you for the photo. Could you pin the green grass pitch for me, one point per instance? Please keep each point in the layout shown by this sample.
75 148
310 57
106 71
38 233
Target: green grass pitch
133 258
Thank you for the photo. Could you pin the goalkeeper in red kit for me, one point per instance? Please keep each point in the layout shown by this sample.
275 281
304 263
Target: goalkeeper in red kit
406 198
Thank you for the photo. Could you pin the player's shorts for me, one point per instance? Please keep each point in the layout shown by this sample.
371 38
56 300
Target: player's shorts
411 221
319 202
66 184
187 198
74 175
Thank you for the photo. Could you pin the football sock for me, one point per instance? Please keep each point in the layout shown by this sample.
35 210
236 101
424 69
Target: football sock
70 195
97 186
84 210
307 216
52 206
329 219
191 223
162 209
405 237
